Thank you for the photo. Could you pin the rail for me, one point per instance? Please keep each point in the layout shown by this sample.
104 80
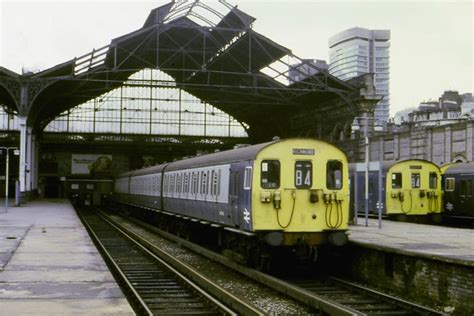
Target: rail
156 282
354 299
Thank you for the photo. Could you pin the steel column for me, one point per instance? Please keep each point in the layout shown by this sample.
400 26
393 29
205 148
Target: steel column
22 166
28 167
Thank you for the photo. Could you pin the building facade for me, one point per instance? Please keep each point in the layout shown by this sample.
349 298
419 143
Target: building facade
358 51
305 69
450 108
439 144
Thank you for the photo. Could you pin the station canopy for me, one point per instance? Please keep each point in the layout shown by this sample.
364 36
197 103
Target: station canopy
211 52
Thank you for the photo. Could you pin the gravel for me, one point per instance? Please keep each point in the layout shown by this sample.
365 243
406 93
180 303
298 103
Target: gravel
268 300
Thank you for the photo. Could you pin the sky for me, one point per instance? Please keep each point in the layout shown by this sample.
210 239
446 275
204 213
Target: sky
431 40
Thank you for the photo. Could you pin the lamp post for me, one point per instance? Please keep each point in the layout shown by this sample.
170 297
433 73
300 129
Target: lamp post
377 127
15 152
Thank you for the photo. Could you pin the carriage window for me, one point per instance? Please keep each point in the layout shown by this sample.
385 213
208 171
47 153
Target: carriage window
248 178
449 184
463 190
203 182
270 177
185 183
172 184
433 180
213 181
75 186
469 187
415 180
303 174
466 187
195 182
236 184
396 180
219 183
334 175
178 183
165 184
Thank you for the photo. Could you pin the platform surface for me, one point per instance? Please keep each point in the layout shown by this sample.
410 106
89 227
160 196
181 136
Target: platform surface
49 265
455 245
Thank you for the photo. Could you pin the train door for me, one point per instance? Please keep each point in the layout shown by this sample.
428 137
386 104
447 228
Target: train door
373 192
466 195
234 194
240 194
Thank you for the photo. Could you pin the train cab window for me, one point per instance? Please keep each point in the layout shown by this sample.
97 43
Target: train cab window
270 174
248 178
433 180
449 184
303 174
334 175
396 180
415 180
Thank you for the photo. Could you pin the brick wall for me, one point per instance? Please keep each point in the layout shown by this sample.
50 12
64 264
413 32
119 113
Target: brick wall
430 282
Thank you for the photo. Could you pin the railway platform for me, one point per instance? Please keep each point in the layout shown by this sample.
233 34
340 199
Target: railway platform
431 265
451 245
49 265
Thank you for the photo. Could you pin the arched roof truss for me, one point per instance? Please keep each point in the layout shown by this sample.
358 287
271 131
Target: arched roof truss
211 52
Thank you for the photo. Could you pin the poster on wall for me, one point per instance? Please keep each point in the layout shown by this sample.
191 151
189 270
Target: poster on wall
87 164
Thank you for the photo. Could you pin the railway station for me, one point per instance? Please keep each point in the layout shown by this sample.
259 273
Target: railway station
195 165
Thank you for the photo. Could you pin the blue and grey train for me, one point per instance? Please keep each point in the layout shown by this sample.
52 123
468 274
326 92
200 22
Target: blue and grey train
280 194
458 182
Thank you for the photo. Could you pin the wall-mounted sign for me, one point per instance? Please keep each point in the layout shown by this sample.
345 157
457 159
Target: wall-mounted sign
84 164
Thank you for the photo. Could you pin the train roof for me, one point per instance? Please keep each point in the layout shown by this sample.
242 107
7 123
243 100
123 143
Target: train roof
228 156
424 161
462 167
386 165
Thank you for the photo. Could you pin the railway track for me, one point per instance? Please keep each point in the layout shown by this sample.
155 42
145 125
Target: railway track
359 299
329 295
154 285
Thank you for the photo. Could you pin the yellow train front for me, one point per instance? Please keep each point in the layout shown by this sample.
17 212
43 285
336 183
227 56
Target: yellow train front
300 193
414 188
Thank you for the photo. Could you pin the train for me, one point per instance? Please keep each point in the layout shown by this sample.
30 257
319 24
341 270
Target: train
458 188
409 188
290 194
87 191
